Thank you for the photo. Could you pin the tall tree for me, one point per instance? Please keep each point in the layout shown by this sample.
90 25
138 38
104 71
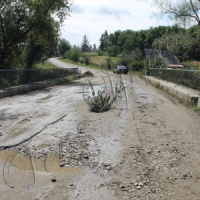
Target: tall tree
103 41
19 19
41 40
63 46
180 11
94 47
184 45
85 45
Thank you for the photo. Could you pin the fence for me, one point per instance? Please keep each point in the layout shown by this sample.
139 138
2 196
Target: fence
188 78
15 77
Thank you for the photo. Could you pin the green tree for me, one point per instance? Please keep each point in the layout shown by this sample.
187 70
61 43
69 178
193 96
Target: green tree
19 20
63 46
41 40
181 11
85 45
113 50
73 54
183 45
94 48
103 41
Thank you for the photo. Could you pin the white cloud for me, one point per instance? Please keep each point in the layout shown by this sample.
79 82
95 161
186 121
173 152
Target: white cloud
93 17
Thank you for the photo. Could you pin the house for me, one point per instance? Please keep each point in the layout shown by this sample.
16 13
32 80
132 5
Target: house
170 59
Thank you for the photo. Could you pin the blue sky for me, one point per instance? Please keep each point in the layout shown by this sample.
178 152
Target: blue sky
93 17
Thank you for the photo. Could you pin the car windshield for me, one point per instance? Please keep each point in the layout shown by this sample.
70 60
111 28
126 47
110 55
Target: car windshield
122 67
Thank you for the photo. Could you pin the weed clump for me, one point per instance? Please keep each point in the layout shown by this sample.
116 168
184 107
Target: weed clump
102 102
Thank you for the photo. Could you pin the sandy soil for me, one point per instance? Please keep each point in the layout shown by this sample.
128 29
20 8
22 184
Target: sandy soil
53 147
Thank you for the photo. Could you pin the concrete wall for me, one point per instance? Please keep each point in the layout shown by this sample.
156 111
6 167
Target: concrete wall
35 86
183 93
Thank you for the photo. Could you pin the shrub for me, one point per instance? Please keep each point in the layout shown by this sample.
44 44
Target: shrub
136 65
102 102
73 54
124 61
109 63
43 59
113 50
100 53
86 60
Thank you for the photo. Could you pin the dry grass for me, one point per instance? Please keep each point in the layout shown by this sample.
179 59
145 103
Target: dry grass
101 60
194 63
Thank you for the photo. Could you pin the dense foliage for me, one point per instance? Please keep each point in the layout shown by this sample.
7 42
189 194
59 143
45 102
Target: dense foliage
63 46
185 44
129 45
126 41
181 12
85 45
28 30
73 54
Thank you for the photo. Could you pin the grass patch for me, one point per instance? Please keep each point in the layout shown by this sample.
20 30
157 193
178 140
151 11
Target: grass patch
136 73
82 64
197 109
157 85
92 60
115 59
194 63
90 54
46 65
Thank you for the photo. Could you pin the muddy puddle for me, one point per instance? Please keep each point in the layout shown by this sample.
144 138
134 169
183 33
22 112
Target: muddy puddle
24 161
46 98
24 121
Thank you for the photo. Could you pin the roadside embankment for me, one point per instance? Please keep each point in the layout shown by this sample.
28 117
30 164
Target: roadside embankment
181 92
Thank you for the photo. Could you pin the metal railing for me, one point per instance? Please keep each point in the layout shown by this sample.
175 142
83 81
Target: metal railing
14 77
188 78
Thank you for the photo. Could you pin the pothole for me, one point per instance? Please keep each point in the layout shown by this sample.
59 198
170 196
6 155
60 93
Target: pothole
25 161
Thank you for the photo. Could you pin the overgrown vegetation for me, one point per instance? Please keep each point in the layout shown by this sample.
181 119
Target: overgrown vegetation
102 102
28 30
44 65
33 36
73 54
197 109
90 59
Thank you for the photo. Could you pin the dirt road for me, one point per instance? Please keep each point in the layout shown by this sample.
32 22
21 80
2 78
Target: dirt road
53 147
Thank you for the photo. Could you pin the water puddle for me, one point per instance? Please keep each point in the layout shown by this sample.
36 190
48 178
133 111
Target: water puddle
46 98
24 121
26 162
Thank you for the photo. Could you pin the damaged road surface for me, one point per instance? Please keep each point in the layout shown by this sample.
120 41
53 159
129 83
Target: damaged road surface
53 147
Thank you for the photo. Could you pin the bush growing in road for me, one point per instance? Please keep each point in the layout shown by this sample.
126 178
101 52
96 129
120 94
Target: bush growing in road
102 102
